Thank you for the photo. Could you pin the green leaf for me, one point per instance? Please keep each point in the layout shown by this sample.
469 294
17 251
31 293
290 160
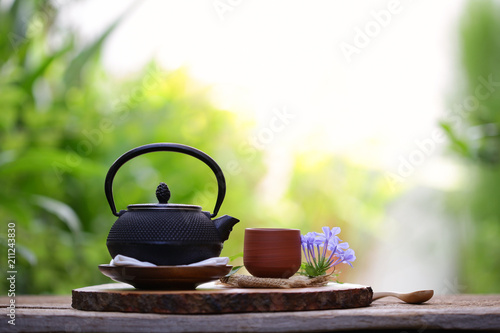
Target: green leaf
64 212
236 256
234 270
76 66
27 254
28 81
457 144
53 161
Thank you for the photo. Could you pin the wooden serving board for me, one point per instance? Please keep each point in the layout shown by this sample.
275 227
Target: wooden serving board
214 298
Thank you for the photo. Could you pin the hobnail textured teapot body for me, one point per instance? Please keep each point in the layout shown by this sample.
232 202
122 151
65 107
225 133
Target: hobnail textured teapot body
167 234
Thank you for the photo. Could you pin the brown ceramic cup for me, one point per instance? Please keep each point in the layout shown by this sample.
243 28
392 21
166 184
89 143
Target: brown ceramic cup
272 253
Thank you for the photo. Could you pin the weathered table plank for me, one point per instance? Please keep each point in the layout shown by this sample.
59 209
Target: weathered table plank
458 312
214 298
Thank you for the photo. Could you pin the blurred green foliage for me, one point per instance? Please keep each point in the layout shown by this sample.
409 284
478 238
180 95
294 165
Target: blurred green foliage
64 121
473 127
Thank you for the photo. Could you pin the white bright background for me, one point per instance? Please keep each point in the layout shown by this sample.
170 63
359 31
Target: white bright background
260 56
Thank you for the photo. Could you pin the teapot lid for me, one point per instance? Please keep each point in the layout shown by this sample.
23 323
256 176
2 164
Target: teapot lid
164 206
163 195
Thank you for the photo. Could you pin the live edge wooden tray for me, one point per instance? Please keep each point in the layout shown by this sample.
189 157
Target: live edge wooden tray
214 298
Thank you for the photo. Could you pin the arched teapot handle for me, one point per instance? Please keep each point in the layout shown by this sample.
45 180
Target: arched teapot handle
173 147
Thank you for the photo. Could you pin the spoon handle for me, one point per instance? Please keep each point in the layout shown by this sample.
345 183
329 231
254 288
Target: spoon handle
379 295
415 297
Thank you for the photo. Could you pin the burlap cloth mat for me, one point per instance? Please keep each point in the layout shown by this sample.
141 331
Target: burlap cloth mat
296 281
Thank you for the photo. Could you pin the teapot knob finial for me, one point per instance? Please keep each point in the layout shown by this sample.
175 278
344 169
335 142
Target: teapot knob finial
162 193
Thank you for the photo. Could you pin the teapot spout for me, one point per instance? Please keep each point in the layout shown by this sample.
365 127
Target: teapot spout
224 225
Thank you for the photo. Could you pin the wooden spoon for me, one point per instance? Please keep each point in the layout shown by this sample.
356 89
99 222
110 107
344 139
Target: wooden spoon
415 297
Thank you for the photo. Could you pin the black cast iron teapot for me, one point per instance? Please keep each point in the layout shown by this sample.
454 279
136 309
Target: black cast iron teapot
163 233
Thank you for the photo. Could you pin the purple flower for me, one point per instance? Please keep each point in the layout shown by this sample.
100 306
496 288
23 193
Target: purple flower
349 257
315 246
329 236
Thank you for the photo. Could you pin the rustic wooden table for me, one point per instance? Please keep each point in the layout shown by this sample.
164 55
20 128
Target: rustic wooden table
450 312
